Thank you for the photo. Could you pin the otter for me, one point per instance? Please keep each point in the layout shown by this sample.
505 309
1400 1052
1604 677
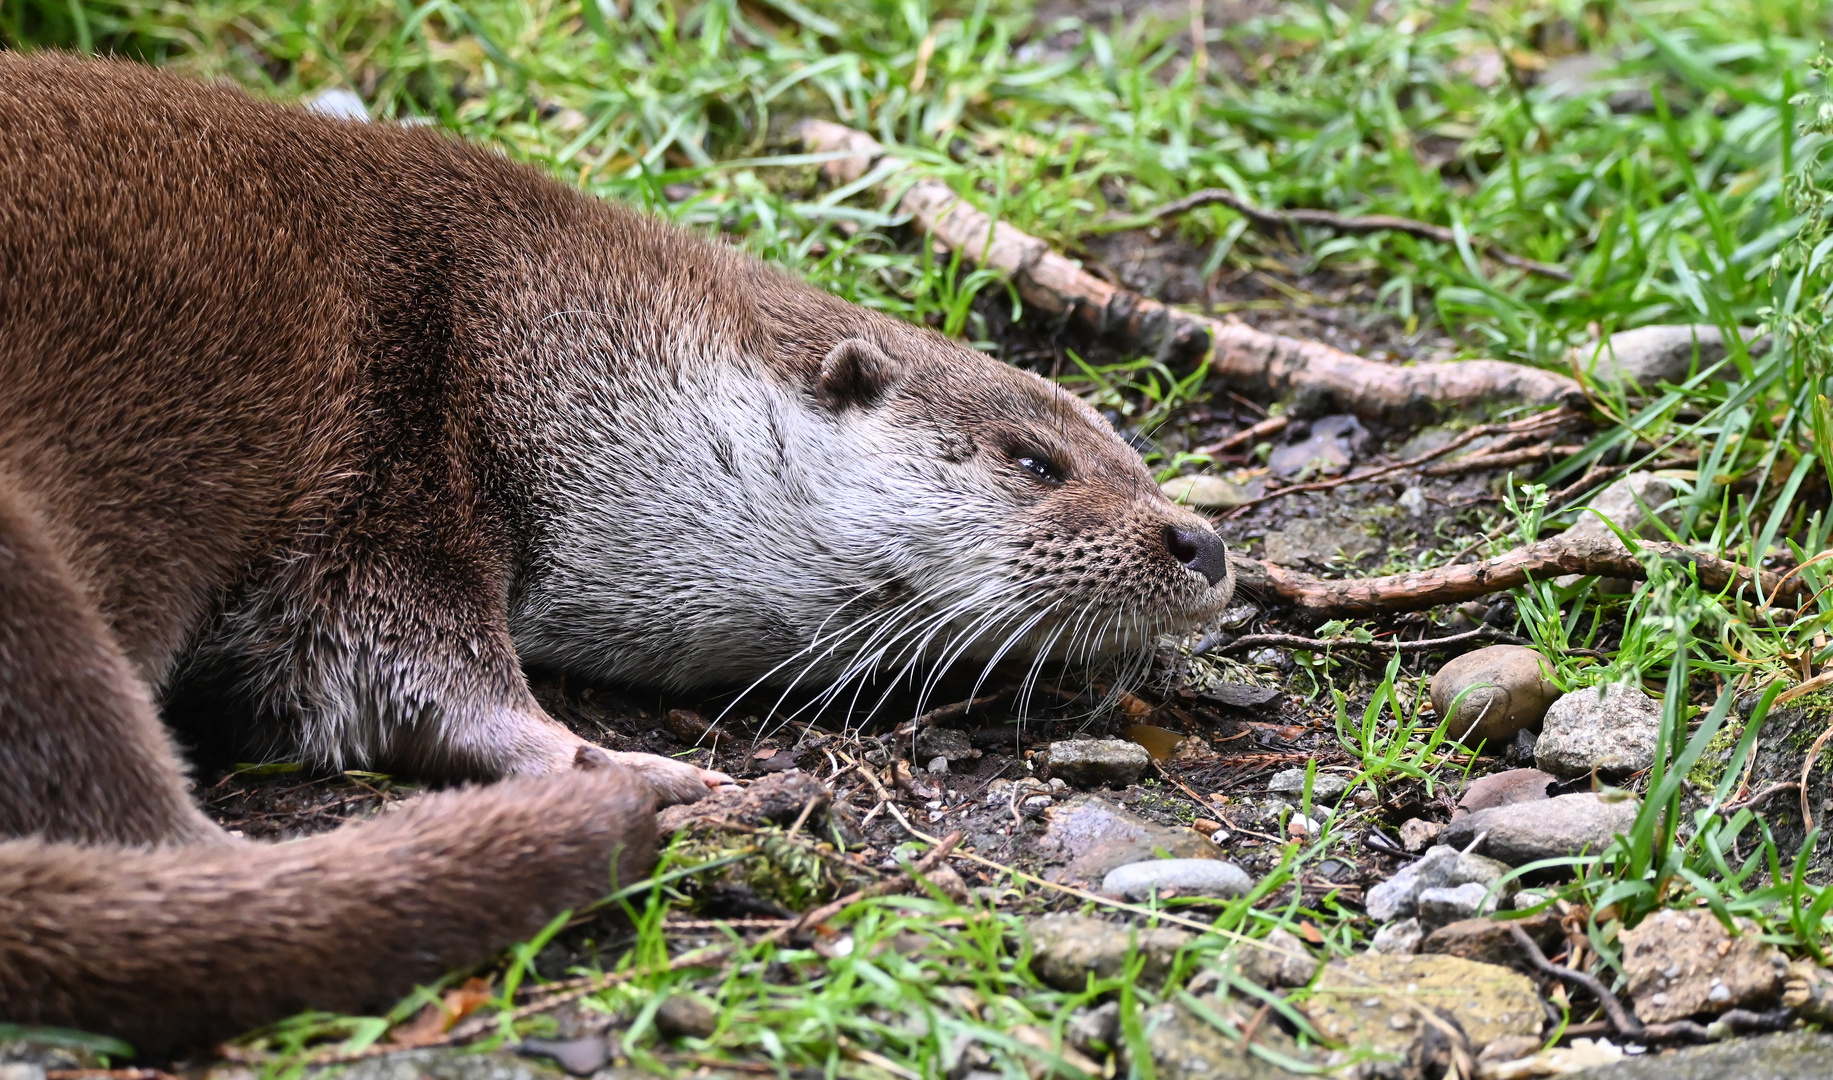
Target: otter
348 422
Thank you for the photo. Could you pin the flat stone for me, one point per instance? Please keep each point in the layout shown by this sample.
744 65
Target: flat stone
1094 836
1206 492
1789 1055
458 1063
1322 447
1067 948
1190 877
1611 728
1371 1000
1280 962
1649 355
1504 789
1491 694
1441 867
1417 834
1549 829
945 743
1113 763
1683 963
1579 1055
1448 904
1491 941
1184 1046
1240 695
1316 542
1627 502
580 1057
1327 788
685 1016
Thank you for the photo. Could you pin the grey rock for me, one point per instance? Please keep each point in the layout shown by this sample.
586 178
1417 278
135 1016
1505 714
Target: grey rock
1066 949
1093 1031
1190 877
1372 1000
1440 868
1281 960
935 742
1649 355
1413 501
1448 904
683 1016
1551 828
1111 763
1627 503
1612 729
1206 492
938 766
1583 73
1791 1055
1184 1046
339 104
450 1064
1094 836
1680 963
581 1057
1397 938
25 1070
1326 447
1492 694
1327 788
1417 834
1316 542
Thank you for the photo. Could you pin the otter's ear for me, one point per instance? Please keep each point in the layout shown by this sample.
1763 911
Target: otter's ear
855 373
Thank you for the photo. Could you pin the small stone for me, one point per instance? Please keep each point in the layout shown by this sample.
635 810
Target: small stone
1206 827
1417 834
580 1057
1442 867
1066 949
1611 728
1627 503
947 743
1649 355
1113 763
1492 941
1808 989
1505 789
1185 1046
339 104
1281 961
27 1070
1485 1001
1190 877
1206 492
1505 689
1692 964
1413 501
682 1016
1549 829
938 766
1400 938
1311 541
1448 904
1095 836
1093 1031
1327 788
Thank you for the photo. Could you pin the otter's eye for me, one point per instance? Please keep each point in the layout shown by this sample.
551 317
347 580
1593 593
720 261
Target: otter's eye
1039 466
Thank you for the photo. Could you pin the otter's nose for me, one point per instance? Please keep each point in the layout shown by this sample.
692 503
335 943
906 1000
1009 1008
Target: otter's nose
1200 549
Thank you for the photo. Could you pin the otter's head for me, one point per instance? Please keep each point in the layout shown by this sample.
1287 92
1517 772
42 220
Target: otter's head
876 507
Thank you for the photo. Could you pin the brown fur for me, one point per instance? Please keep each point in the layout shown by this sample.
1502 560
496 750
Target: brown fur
289 411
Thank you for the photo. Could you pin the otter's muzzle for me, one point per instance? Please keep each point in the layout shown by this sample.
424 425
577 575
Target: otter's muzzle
1200 549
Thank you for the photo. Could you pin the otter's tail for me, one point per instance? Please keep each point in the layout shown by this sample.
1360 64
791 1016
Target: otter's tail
173 947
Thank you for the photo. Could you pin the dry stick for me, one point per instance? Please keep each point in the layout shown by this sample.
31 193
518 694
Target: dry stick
1360 224
1509 459
1238 353
1595 556
1627 1024
1293 641
1532 423
1273 425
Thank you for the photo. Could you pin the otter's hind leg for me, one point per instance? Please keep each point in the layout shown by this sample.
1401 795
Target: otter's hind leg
83 756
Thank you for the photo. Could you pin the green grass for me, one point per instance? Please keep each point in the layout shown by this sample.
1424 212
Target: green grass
1711 204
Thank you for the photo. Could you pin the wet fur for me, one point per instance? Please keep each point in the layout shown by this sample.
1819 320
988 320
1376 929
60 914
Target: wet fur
341 423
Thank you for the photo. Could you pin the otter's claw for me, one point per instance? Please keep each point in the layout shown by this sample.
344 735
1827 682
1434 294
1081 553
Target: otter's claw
672 781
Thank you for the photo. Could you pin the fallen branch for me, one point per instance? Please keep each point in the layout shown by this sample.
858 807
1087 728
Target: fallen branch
1359 225
1272 425
1595 556
1294 641
1238 353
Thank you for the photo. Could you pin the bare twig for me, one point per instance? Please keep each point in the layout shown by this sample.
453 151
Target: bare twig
1361 224
1238 353
1293 641
1247 436
1760 797
1505 460
1597 556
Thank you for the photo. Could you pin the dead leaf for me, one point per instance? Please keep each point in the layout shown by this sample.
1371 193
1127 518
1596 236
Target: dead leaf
437 1018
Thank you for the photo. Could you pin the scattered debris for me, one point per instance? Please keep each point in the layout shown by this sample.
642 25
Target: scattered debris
1440 868
1318 542
1322 447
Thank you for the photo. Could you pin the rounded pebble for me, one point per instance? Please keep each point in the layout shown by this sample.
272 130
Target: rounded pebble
1199 877
1509 692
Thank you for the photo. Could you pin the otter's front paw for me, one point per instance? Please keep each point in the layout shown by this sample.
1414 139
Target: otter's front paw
672 781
